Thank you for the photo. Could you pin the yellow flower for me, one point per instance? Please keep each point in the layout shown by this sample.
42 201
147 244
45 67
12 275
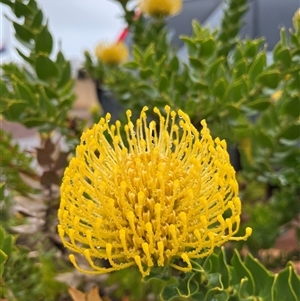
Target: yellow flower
112 54
160 8
156 198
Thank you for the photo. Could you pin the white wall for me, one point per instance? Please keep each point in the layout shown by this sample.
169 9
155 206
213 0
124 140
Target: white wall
79 25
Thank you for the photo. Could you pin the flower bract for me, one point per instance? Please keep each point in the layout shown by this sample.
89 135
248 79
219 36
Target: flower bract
112 54
160 8
159 195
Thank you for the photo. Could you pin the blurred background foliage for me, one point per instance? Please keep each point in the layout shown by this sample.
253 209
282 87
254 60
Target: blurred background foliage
246 99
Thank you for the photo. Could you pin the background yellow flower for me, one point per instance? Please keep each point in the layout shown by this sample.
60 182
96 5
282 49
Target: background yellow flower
112 54
155 199
160 8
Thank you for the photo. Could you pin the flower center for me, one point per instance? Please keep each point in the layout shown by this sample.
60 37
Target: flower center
151 195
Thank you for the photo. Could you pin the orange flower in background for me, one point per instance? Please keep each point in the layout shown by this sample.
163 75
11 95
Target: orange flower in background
152 199
160 8
112 54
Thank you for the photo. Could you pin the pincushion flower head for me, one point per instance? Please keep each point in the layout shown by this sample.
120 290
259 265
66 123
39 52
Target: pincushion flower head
156 198
112 53
160 8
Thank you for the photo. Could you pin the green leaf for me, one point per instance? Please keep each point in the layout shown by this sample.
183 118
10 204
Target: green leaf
260 104
233 114
66 75
174 64
214 279
270 120
219 87
190 45
2 234
217 295
60 59
163 84
283 55
269 79
148 89
49 93
2 190
295 74
168 293
282 288
160 65
292 106
159 273
199 85
46 95
236 91
184 288
214 68
238 53
16 108
242 291
7 244
257 66
8 2
196 63
45 68
181 86
137 53
240 68
252 47
263 279
23 33
262 140
149 58
145 73
239 272
37 20
33 5
294 279
3 259
133 65
190 106
208 48
22 10
219 264
44 42
293 159
24 57
3 88
25 93
197 28
34 122
291 132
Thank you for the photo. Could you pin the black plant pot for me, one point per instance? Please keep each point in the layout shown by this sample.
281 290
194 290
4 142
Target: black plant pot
109 103
235 157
